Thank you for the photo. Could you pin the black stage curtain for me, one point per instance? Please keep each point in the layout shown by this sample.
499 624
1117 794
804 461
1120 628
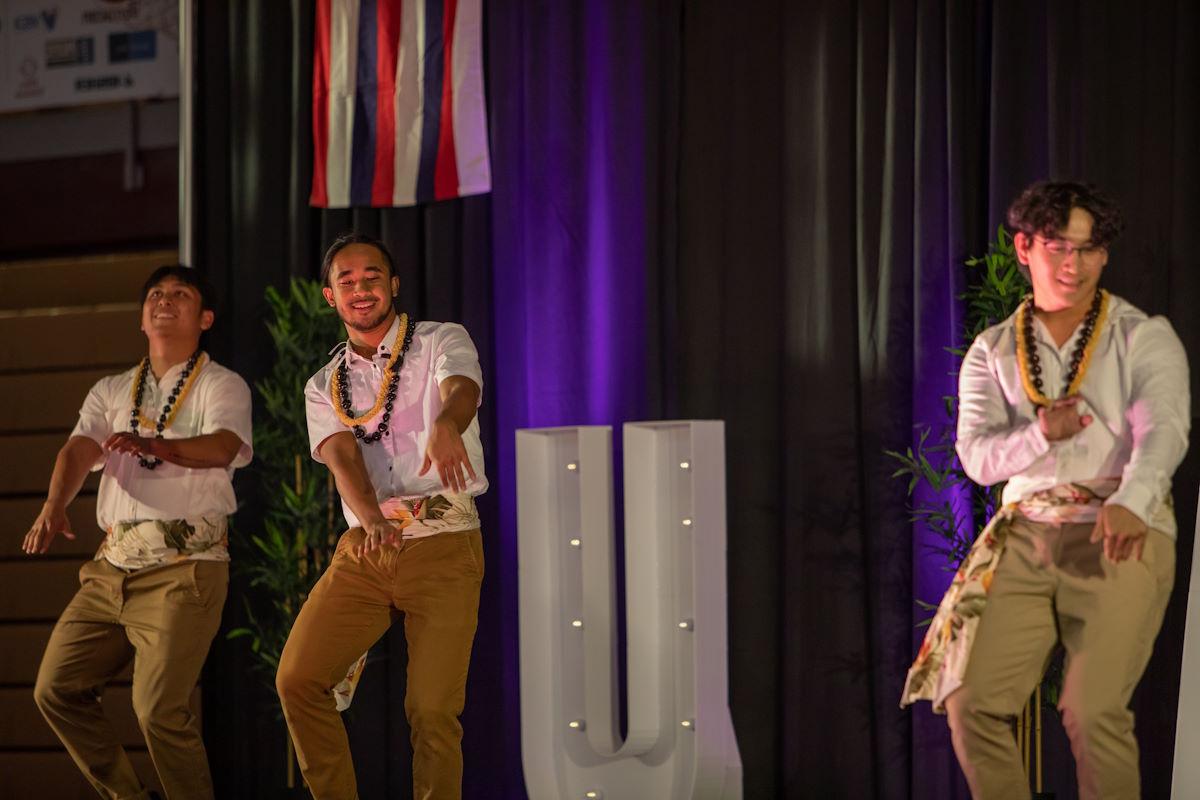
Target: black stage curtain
819 170
838 161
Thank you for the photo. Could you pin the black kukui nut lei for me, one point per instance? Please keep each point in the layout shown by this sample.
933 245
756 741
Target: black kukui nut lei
161 425
1031 354
343 378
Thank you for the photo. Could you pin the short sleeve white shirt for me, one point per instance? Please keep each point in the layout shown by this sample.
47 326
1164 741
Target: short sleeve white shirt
219 400
438 351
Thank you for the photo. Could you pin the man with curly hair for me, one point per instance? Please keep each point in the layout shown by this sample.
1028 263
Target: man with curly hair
1079 404
168 434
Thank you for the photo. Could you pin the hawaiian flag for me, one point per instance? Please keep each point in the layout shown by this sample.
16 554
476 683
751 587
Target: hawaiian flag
398 104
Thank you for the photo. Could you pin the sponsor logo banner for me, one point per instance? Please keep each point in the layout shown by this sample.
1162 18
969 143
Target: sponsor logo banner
68 52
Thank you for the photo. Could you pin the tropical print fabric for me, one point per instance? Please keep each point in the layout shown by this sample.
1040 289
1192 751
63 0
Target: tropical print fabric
141 544
941 661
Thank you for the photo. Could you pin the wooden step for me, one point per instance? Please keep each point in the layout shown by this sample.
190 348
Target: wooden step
45 401
22 724
26 461
18 514
37 589
54 775
72 338
80 280
21 649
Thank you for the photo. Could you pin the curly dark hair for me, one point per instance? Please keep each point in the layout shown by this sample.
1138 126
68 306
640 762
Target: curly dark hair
1045 208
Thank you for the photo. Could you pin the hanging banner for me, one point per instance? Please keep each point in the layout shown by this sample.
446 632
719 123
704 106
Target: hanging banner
74 52
399 114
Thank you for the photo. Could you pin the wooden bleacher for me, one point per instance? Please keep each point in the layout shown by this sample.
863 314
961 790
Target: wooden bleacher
64 323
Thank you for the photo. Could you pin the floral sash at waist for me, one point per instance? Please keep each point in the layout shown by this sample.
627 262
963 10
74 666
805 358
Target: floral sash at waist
144 543
416 517
942 660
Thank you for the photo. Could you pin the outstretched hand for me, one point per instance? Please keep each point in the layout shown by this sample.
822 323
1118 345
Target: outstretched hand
1062 420
51 522
447 452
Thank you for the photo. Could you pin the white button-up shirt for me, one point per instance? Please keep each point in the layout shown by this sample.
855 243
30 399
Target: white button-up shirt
1136 388
218 400
438 350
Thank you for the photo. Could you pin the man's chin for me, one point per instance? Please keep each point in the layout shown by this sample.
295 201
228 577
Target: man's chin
365 326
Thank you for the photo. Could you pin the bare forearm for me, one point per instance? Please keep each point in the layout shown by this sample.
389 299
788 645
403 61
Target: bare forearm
198 452
71 467
345 461
460 400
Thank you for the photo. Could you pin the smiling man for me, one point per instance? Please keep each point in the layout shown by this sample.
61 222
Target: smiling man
1079 402
168 434
393 416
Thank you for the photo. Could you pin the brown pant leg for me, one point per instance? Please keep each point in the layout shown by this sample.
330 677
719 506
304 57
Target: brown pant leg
1015 637
86 650
1109 615
346 612
170 615
437 588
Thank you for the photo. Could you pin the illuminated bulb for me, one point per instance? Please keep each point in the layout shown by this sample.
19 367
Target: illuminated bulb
577 725
685 465
575 543
594 795
688 723
687 522
686 625
572 467
576 623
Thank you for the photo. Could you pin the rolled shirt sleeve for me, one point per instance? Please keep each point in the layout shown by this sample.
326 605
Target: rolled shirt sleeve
323 422
455 354
1159 415
94 421
990 448
227 407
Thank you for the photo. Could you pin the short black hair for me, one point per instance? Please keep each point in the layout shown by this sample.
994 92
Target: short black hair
1045 209
186 275
344 241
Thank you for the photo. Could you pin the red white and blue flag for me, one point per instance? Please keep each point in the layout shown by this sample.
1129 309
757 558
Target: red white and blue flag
398 102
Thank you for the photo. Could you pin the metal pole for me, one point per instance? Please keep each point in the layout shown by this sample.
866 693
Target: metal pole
187 35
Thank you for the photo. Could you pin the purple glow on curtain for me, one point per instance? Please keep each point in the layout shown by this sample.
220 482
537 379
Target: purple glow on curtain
569 245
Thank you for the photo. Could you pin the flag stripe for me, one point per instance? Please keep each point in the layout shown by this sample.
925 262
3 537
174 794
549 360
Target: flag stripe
431 121
343 48
410 98
320 110
388 47
445 176
362 153
470 104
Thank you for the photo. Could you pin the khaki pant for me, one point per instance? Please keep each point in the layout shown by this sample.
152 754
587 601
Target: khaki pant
164 618
435 581
1052 585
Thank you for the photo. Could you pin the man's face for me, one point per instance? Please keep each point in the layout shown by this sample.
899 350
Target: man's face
1064 269
360 287
174 308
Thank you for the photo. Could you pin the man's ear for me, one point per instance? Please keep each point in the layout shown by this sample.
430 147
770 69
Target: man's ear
395 286
206 320
328 296
1021 244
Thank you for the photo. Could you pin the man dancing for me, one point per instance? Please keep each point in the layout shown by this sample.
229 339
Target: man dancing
1081 403
393 416
168 434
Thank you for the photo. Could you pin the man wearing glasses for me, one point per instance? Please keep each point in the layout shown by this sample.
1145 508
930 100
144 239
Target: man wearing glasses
1079 403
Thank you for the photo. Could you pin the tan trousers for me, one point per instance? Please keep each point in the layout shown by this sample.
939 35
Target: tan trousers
1053 585
435 582
164 618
